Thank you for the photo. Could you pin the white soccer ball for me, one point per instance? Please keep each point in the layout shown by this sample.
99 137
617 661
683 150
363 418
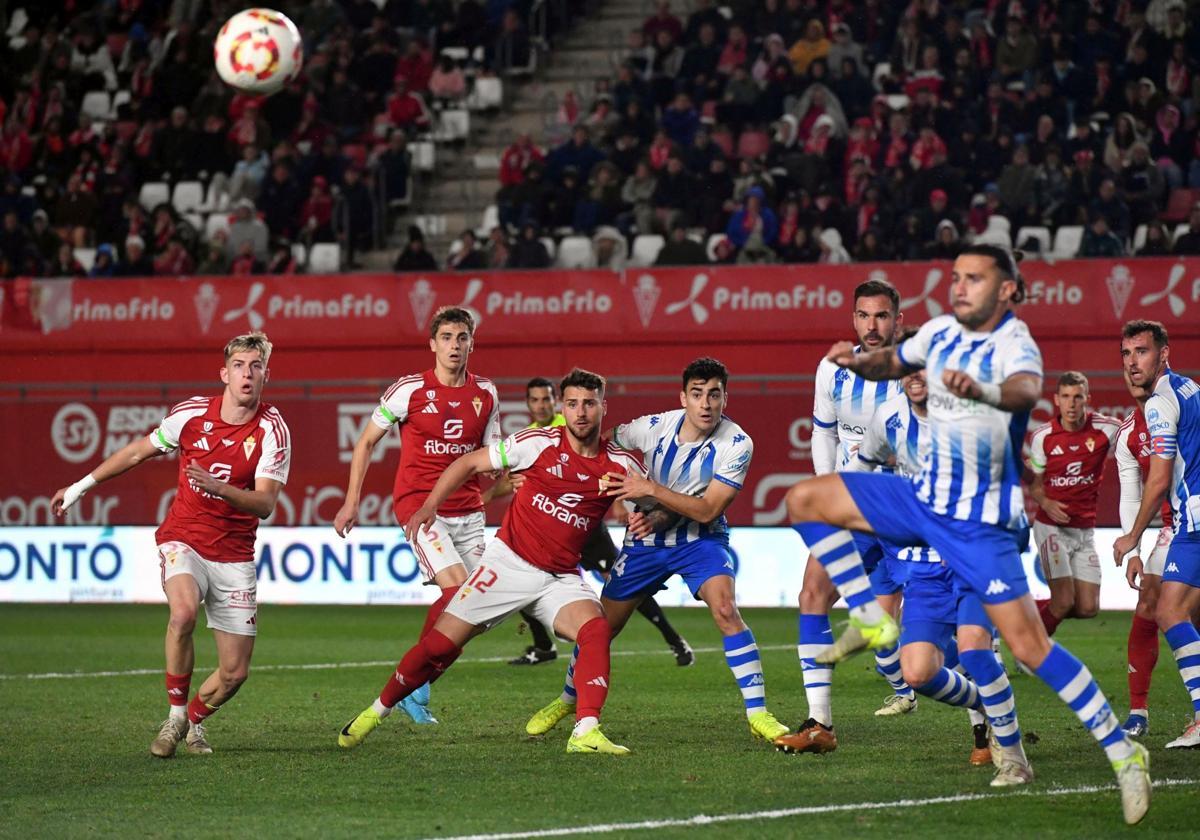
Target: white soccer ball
258 51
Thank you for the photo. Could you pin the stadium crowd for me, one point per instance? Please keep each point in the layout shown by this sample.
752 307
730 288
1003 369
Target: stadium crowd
798 130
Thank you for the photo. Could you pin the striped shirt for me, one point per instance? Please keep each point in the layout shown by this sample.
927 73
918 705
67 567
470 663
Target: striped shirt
688 468
972 472
842 406
1173 421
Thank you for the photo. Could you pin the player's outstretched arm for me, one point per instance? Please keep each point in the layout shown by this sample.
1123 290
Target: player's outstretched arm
632 487
1019 393
121 461
360 462
875 365
260 501
451 479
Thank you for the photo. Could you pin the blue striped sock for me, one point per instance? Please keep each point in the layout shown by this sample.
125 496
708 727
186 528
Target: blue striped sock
813 636
887 663
995 693
953 689
1073 681
834 548
1185 644
568 692
741 654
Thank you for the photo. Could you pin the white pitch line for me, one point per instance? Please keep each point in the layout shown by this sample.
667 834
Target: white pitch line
328 666
705 819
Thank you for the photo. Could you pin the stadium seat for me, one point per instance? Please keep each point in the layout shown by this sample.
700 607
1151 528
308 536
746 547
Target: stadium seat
326 258
550 246
432 224
1180 230
195 220
187 196
1040 234
1179 204
119 99
710 248
576 252
487 93
86 257
997 233
491 218
1067 240
216 197
299 254
154 193
645 249
1139 237
96 104
459 55
454 124
214 223
422 155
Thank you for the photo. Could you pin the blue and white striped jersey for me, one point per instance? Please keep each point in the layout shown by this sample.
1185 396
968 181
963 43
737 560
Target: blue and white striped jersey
972 472
688 468
842 407
1173 422
896 430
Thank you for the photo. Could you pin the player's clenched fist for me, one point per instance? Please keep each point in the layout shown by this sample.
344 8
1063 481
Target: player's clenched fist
961 384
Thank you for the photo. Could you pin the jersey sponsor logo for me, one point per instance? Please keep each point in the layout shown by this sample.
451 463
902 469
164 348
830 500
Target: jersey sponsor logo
221 472
477 404
996 587
951 403
208 426
1074 468
850 428
1074 447
226 442
429 408
582 476
202 443
454 404
248 446
440 447
561 509
1091 444
452 429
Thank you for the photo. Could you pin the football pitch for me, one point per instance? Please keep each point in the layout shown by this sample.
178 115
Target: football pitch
74 749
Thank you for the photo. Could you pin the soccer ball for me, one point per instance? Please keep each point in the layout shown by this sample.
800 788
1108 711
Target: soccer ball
258 51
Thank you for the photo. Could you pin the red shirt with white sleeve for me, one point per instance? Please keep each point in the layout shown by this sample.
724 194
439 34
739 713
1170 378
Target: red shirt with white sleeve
1133 451
1073 465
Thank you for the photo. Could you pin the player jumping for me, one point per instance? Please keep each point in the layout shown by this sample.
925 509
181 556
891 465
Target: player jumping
1173 423
1067 457
234 457
533 561
698 459
984 376
443 413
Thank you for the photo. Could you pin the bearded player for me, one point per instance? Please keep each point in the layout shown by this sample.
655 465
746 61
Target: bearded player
443 413
533 561
234 456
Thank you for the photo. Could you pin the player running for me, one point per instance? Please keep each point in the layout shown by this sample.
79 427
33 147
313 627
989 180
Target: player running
944 626
1144 352
599 553
533 561
842 408
1067 458
698 458
1173 422
984 376
443 413
234 456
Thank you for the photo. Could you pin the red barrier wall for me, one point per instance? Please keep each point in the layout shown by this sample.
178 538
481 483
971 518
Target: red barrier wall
135 342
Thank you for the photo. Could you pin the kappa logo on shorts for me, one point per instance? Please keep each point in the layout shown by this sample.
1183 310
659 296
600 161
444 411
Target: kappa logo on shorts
1171 567
997 587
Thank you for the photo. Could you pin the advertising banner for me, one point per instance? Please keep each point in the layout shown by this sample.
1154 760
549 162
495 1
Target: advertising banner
376 566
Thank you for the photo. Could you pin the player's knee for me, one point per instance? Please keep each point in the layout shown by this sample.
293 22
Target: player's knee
1147 604
725 614
1086 609
800 502
232 678
916 674
1168 613
182 621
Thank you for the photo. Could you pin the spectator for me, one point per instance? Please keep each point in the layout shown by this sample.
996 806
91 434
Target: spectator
316 216
680 120
1052 188
17 247
800 248
830 245
246 226
499 249
774 51
1109 204
698 68
736 52
45 241
601 203
282 261
704 13
638 193
934 214
842 48
1017 51
808 49
105 262
610 248
715 202
447 83
1099 241
680 249
64 264
1169 146
175 261
1188 244
136 262
279 199
395 167
245 262
177 145
414 257
1142 185
946 244
673 194
416 65
1018 197
1119 146
664 69
662 21
528 251
354 215
467 257
75 211
870 248
406 109
527 201
512 48
1158 241
250 129
162 230
248 173
578 152
754 228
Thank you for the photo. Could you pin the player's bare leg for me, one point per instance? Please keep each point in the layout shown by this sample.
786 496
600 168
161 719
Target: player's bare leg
423 663
233 666
1177 603
585 622
183 601
1142 655
814 634
821 510
741 655
1022 629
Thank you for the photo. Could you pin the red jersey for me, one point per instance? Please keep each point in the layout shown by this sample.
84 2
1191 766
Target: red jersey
237 453
1133 453
437 425
561 502
1073 464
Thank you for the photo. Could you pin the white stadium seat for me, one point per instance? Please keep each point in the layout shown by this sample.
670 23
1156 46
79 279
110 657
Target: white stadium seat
187 196
325 258
1041 234
96 104
1067 240
645 249
154 193
576 252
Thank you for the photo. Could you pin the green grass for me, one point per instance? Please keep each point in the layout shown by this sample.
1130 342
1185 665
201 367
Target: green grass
74 760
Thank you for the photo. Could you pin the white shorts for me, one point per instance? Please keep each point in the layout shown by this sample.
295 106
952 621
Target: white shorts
450 541
503 583
229 590
1157 561
1067 552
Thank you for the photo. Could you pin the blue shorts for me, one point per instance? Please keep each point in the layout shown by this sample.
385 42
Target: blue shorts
934 606
984 558
642 570
1183 560
890 573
